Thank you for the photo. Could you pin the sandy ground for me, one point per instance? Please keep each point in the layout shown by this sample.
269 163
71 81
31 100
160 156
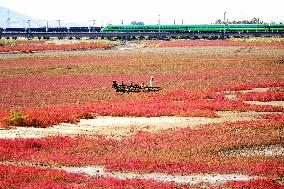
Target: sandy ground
182 179
124 126
213 178
269 150
271 103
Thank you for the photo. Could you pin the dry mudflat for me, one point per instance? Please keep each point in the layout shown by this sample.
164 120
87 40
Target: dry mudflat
124 126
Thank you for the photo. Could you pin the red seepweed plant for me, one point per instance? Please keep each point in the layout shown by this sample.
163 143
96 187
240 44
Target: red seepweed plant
47 47
177 103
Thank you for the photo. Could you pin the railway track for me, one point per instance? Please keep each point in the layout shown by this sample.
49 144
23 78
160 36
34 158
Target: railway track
142 35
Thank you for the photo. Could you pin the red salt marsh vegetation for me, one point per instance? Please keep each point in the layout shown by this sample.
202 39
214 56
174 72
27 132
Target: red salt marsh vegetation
56 78
28 46
274 42
41 90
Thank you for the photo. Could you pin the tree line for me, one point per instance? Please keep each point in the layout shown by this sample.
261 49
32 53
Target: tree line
254 20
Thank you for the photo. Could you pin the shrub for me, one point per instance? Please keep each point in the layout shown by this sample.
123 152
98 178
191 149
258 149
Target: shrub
16 118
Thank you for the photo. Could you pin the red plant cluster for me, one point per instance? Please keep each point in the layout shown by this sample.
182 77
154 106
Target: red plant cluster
83 78
194 150
250 86
13 176
171 151
178 103
182 43
49 89
252 184
266 168
28 177
262 96
277 116
76 46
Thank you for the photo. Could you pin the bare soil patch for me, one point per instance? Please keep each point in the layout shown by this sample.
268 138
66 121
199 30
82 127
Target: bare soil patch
263 150
271 103
125 126
118 127
213 178
233 95
182 179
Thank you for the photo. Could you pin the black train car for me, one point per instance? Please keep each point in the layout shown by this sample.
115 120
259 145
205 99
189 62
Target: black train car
95 29
79 29
15 30
84 29
61 29
36 29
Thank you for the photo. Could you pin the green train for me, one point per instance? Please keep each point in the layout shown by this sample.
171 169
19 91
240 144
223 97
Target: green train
192 28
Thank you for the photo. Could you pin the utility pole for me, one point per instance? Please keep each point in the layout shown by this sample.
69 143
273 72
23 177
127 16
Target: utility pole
8 19
224 25
46 25
159 22
28 29
121 22
29 23
182 22
174 22
93 25
59 23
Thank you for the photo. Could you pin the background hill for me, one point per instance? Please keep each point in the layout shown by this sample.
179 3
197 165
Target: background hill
16 19
21 20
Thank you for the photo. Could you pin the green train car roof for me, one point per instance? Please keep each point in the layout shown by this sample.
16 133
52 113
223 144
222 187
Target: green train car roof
195 25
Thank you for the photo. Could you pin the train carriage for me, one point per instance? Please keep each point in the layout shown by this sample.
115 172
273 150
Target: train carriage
206 29
15 30
78 29
193 28
58 29
43 29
